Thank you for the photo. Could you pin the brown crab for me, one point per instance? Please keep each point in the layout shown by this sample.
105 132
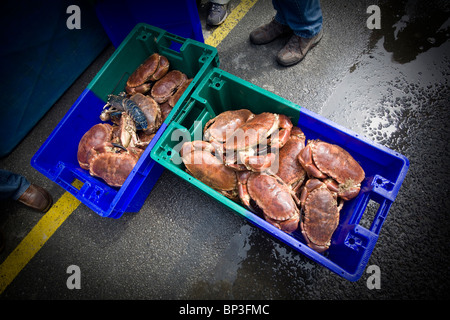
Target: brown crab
167 85
152 69
217 128
173 99
200 161
320 214
166 108
113 163
289 168
268 194
95 136
325 160
246 148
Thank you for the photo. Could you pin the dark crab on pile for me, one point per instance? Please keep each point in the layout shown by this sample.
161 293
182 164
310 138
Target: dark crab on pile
265 162
111 149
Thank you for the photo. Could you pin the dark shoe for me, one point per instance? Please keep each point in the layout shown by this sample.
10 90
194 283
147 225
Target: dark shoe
36 198
217 14
269 32
296 48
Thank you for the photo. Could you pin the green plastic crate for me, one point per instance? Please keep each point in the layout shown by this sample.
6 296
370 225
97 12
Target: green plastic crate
189 56
352 243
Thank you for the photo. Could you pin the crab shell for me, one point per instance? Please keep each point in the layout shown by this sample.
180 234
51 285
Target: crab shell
113 148
112 164
323 160
165 110
320 214
151 110
200 161
162 70
271 196
166 86
152 69
95 136
246 148
173 99
289 168
259 128
225 124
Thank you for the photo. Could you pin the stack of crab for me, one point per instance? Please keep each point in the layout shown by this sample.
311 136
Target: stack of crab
111 149
262 161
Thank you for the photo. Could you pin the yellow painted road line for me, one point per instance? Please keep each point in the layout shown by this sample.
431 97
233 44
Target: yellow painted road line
230 22
62 209
37 237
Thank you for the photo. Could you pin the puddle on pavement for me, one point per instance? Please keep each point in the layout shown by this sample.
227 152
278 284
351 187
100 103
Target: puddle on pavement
412 27
404 70
251 249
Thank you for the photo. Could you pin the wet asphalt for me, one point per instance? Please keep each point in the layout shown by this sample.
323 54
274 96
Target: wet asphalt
390 85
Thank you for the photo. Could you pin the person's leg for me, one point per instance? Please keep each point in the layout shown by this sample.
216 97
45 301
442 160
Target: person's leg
16 187
272 30
304 17
279 16
12 185
218 12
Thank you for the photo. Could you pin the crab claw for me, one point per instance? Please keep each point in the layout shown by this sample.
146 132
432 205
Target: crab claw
284 133
346 191
105 116
259 163
306 160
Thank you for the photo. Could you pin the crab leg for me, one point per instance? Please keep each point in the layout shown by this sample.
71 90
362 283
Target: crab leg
242 187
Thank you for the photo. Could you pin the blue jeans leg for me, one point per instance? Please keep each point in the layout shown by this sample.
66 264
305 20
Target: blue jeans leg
12 185
304 17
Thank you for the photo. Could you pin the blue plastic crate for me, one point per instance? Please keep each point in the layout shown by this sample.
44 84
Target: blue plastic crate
57 157
179 17
352 243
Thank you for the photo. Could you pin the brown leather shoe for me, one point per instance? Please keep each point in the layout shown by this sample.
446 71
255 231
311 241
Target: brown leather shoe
36 198
296 48
268 32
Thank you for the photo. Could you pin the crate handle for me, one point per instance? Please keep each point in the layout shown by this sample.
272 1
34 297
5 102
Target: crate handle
378 190
67 173
181 113
380 216
382 193
174 44
175 38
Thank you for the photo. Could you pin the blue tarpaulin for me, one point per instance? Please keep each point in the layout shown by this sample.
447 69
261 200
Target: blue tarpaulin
40 58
